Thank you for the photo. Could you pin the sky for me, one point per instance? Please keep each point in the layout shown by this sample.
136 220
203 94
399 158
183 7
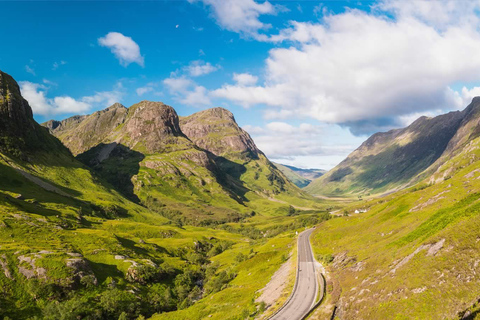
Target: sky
309 80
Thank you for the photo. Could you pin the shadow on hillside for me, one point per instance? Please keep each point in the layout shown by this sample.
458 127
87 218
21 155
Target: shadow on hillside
30 194
115 163
228 175
103 271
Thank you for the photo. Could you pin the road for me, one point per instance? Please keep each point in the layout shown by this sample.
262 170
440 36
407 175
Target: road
306 286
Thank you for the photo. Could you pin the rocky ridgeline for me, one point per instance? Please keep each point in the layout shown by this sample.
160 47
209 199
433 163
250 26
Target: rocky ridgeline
217 131
20 135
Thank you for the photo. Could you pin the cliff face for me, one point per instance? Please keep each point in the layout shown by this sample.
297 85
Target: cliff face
20 135
217 131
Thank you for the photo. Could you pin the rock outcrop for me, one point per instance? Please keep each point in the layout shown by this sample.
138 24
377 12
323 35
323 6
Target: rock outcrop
217 131
20 135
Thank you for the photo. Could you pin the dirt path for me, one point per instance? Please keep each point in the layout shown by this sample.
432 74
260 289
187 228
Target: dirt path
274 289
45 185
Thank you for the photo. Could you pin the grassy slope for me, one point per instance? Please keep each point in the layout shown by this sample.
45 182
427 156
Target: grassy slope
391 160
99 224
427 286
294 177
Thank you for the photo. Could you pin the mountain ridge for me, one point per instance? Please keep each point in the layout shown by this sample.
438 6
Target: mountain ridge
148 152
393 160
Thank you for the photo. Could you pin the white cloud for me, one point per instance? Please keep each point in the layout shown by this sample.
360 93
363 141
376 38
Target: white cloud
149 87
245 79
282 141
437 13
177 84
199 68
69 105
58 64
241 16
187 91
30 70
357 66
141 91
197 96
36 95
124 48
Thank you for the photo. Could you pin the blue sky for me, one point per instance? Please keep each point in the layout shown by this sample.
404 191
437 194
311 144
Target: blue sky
308 80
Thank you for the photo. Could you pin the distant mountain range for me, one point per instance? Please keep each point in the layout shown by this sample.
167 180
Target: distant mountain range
300 177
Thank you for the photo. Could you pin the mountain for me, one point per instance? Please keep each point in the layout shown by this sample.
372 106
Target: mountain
217 131
74 248
413 254
202 169
20 135
300 177
392 160
235 152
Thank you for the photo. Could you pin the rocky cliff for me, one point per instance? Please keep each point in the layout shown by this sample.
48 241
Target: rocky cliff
217 131
20 135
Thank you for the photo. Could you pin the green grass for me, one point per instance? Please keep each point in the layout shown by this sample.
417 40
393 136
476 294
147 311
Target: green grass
426 286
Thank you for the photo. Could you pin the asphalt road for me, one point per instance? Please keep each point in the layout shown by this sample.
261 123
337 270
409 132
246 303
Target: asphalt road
303 297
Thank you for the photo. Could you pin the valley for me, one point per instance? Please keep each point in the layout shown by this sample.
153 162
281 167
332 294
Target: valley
136 213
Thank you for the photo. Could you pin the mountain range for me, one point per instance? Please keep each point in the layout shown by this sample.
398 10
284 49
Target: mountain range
133 211
299 176
394 160
204 166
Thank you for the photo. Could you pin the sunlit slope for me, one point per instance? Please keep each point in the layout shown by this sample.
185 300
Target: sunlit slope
212 174
415 253
391 160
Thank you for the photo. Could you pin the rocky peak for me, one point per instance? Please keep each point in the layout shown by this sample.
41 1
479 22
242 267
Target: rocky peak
217 131
148 117
15 113
19 133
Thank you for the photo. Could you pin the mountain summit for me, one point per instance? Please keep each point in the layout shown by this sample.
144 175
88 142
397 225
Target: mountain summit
19 133
205 166
217 131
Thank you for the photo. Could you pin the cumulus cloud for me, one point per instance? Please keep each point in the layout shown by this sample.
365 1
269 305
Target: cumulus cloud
199 68
241 16
359 67
186 91
124 48
245 79
282 141
437 13
36 95
142 90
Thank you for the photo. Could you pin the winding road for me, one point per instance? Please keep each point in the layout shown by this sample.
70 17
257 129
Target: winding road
306 287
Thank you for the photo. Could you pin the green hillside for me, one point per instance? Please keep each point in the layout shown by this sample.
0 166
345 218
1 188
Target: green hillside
413 254
213 173
390 161
74 248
